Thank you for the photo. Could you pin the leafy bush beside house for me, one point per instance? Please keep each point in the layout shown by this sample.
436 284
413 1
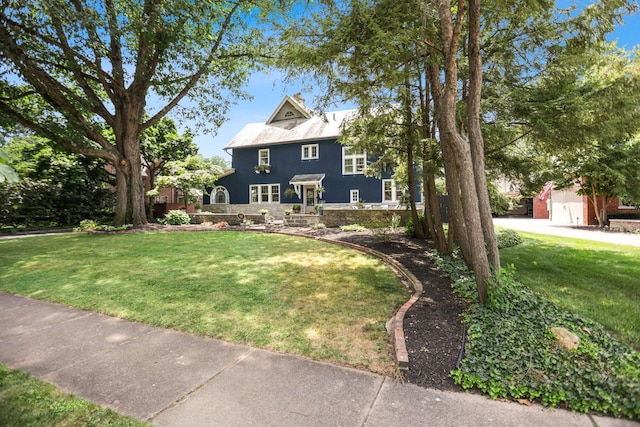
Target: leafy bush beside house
176 217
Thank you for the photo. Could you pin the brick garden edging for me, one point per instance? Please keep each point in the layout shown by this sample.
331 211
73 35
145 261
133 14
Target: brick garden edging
395 325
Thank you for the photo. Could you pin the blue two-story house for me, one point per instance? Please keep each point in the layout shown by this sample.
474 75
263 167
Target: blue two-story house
295 158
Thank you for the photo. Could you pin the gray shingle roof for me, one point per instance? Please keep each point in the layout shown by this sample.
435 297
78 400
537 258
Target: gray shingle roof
317 127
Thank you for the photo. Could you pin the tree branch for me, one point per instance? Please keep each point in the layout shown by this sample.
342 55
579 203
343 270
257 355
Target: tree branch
70 55
115 50
106 153
513 141
197 75
432 45
91 64
97 42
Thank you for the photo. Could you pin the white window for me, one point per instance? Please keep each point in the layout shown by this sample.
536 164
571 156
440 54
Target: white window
353 163
354 196
390 190
622 204
263 157
264 193
310 152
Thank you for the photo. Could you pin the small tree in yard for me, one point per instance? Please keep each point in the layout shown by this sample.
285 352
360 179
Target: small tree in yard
160 144
190 176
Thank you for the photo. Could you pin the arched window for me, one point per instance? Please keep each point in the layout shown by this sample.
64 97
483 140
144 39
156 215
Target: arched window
220 195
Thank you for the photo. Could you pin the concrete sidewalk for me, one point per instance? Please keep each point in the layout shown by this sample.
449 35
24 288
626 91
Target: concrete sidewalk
176 379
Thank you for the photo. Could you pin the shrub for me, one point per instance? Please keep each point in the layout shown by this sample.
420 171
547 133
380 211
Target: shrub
175 217
38 203
395 222
92 225
409 228
508 238
383 227
86 224
352 227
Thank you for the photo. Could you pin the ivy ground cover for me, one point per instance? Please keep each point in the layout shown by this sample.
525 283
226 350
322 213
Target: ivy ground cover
511 351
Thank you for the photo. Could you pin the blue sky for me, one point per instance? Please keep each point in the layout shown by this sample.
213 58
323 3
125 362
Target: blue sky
269 89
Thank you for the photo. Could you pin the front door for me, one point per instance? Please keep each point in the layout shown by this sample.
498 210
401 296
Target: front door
309 199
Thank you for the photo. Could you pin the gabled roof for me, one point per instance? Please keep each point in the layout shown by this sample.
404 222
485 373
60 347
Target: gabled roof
291 122
290 108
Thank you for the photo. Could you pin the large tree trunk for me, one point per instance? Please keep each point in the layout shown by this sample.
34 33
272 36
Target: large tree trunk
475 134
418 226
459 149
433 219
130 208
432 215
122 185
457 233
471 212
457 226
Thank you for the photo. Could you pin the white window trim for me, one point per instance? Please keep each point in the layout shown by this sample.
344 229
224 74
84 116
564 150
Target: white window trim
264 150
270 193
357 194
353 157
622 206
214 192
309 148
395 191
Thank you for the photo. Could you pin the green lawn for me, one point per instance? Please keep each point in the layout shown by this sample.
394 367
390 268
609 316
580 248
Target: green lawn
27 401
597 280
284 293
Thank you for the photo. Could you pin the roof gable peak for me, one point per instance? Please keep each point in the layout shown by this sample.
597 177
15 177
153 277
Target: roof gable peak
290 108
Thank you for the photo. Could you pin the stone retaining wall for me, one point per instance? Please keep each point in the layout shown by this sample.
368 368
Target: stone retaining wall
231 219
624 224
334 215
336 218
301 220
275 209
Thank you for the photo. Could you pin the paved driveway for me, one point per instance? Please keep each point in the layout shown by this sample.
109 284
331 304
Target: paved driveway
544 226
